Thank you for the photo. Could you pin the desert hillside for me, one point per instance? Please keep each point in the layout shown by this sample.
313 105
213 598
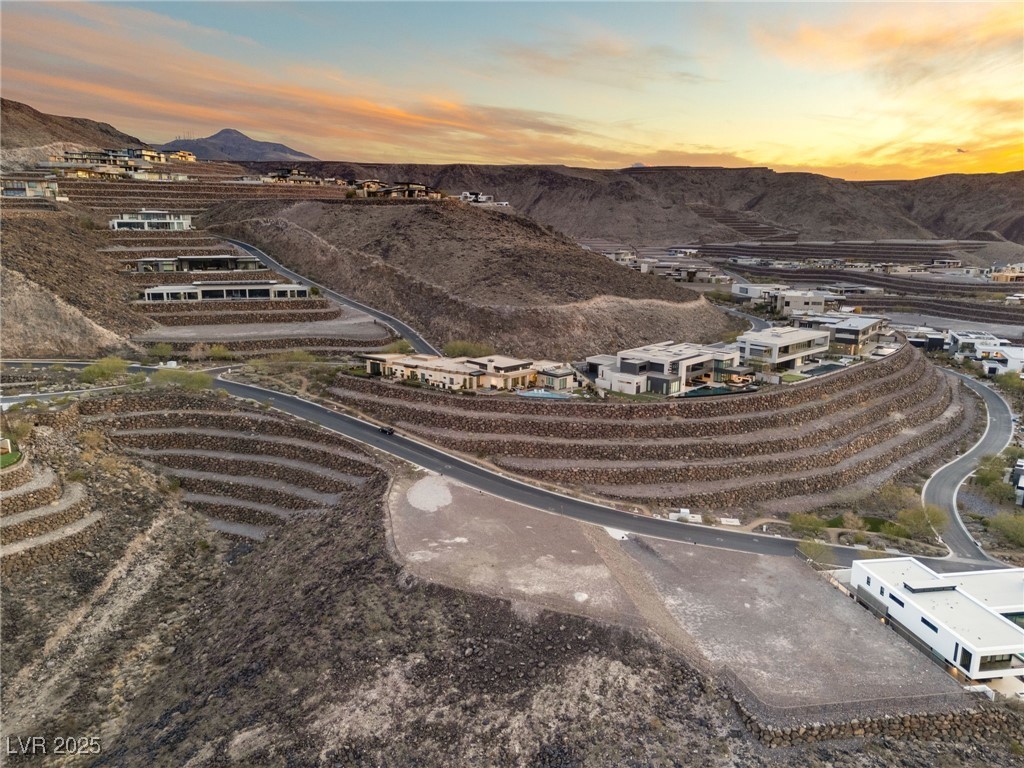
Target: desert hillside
61 297
22 126
463 273
666 205
230 144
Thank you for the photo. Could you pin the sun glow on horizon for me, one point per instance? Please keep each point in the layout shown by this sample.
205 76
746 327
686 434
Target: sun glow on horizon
850 90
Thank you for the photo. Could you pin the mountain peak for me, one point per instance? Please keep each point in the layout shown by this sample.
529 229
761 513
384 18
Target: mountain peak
232 144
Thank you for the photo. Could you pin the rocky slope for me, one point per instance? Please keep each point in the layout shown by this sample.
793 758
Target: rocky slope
462 273
23 126
58 291
656 205
230 144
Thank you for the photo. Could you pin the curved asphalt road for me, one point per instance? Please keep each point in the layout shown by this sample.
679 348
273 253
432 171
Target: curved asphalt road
520 492
420 344
942 487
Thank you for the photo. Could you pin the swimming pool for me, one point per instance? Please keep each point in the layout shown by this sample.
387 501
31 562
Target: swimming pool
545 394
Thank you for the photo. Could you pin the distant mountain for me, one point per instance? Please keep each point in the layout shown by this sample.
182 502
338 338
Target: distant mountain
230 144
22 126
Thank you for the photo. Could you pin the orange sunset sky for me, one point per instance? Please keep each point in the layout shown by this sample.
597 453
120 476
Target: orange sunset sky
856 90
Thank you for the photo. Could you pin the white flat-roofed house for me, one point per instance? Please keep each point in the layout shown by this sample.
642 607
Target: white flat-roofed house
665 368
757 292
999 358
964 342
554 375
152 220
432 370
212 263
226 290
502 372
974 620
781 347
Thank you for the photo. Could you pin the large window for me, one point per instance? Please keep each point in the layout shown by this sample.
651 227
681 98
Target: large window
966 657
928 624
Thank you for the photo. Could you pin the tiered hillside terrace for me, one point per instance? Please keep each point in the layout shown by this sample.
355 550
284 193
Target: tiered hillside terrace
776 451
247 471
747 224
906 251
41 517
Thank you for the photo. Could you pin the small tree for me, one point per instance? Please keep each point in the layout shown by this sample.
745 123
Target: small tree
107 369
399 347
461 348
161 350
805 525
198 352
220 352
190 380
816 551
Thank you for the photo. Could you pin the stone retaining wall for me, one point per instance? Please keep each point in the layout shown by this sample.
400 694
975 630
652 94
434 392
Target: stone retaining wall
930 443
145 279
239 318
63 418
21 502
241 467
223 305
614 424
244 492
44 524
833 427
779 398
301 342
962 726
16 474
236 514
50 553
774 464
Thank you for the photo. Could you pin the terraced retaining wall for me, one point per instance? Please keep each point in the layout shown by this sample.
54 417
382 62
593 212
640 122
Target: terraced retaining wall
236 318
20 502
298 342
49 553
225 305
695 408
178 278
37 526
16 474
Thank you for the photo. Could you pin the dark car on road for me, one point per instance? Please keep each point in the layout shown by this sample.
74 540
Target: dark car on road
388 430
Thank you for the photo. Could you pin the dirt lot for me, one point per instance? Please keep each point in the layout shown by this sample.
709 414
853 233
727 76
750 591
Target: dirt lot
351 325
754 614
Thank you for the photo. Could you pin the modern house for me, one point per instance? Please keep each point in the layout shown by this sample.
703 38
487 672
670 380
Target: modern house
225 290
666 368
971 620
781 347
852 289
149 155
850 331
152 220
1014 273
182 156
788 303
214 263
554 375
493 372
406 190
756 292
999 358
964 342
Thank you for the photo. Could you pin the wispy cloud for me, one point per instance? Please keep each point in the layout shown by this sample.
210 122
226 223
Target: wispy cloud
601 58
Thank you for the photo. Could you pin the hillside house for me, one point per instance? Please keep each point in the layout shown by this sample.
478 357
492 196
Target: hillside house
999 358
213 263
495 372
406 190
781 348
148 155
35 188
1013 273
972 620
182 156
225 290
147 220
666 368
852 332
788 303
756 292
964 342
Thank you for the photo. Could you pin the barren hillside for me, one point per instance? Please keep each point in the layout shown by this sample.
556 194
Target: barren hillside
656 205
23 126
458 272
63 277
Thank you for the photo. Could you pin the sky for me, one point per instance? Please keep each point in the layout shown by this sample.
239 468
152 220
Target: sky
856 90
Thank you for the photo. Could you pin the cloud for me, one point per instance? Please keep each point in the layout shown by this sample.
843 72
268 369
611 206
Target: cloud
905 45
601 58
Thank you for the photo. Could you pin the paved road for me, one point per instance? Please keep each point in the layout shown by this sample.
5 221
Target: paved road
756 323
508 488
941 488
419 343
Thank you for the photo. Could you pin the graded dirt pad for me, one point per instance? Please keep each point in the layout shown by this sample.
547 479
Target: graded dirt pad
351 325
789 636
455 272
452 534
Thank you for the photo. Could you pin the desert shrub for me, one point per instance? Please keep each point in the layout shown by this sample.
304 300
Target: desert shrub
75 476
461 348
103 370
175 377
894 531
818 551
198 352
919 521
220 352
1010 525
399 347
161 351
805 524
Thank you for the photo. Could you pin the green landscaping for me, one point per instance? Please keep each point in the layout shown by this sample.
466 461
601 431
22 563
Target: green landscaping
10 458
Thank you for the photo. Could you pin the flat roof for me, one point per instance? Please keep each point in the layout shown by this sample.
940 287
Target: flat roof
668 351
786 334
500 360
969 607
